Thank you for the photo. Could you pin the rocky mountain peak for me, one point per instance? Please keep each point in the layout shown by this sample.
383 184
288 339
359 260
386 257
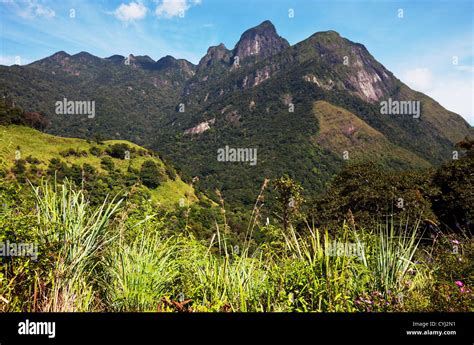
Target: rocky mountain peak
118 59
262 41
60 54
85 57
355 69
215 54
167 61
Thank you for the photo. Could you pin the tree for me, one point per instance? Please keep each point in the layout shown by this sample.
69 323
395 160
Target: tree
288 200
118 150
371 193
454 200
150 174
19 169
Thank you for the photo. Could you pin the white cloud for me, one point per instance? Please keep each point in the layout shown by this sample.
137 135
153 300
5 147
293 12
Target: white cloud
435 74
132 11
457 96
455 93
8 60
30 9
420 79
173 8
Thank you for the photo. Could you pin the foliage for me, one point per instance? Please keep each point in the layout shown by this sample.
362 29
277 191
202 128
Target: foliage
454 200
117 257
151 175
86 164
367 194
118 150
289 200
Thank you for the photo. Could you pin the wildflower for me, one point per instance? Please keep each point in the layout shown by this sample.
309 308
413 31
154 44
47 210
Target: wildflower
455 241
459 283
464 290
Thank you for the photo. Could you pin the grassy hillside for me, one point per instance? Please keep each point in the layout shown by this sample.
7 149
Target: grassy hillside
341 130
20 142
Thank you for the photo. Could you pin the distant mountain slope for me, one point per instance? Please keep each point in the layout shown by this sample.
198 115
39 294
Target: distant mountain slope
242 98
360 86
341 132
131 99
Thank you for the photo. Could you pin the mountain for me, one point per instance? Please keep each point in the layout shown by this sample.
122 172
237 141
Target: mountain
308 109
218 55
261 41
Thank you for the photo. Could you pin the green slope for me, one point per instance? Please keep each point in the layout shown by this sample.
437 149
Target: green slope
44 147
341 131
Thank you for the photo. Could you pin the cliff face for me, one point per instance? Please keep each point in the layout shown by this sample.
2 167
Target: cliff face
261 41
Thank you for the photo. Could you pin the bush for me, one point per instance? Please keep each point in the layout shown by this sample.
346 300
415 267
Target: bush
32 160
151 175
107 163
118 150
454 200
96 151
367 193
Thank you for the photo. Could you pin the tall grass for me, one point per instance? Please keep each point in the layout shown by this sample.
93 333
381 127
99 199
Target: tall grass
233 281
76 234
389 254
331 281
141 272
104 262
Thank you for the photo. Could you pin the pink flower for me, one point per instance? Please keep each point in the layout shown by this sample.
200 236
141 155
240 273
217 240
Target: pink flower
455 241
463 290
459 283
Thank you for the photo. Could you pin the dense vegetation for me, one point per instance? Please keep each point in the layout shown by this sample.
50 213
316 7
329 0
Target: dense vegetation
153 104
345 210
123 254
98 167
115 257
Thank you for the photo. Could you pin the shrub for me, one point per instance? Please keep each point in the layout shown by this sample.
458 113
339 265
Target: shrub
96 151
118 150
151 175
107 163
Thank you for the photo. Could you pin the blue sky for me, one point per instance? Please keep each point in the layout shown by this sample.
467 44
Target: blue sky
429 46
